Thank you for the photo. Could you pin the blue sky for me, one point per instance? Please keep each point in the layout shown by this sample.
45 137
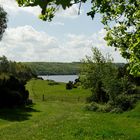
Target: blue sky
69 37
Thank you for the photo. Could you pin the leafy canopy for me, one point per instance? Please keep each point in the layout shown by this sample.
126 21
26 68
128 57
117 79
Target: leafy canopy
102 76
99 74
125 15
3 21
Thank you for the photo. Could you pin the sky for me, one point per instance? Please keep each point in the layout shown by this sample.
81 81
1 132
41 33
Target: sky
68 38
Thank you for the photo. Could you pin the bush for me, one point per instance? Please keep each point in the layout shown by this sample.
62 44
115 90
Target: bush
99 107
13 92
127 86
108 83
69 85
116 110
125 102
92 107
122 103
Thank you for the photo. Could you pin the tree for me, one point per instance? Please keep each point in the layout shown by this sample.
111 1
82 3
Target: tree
108 87
125 14
13 77
98 72
4 64
3 21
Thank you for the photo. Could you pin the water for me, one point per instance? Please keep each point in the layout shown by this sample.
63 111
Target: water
60 78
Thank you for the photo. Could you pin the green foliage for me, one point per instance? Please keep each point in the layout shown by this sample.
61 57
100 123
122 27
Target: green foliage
18 70
107 83
69 85
125 35
125 14
100 107
124 102
3 21
96 74
12 93
48 7
13 77
54 68
76 84
4 64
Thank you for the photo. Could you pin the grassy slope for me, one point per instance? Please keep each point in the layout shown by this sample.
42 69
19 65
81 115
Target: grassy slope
62 117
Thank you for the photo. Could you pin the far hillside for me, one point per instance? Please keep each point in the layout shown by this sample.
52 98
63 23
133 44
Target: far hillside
55 68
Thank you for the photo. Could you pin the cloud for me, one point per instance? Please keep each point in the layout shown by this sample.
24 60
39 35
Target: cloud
71 12
12 8
80 45
27 44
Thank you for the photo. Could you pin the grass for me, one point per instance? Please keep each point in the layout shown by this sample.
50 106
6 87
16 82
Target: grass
62 116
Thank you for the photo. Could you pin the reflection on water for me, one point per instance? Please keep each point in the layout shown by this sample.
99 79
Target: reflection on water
60 78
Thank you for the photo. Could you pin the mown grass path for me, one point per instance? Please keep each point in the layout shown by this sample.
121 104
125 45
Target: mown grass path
62 116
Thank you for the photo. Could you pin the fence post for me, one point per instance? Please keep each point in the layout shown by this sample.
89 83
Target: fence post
43 97
78 99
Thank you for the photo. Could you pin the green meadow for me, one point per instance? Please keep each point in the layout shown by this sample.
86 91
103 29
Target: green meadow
60 114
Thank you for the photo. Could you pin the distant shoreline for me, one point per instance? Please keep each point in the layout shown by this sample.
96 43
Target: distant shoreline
57 68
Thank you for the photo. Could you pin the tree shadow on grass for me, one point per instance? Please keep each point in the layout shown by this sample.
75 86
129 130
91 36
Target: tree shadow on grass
17 114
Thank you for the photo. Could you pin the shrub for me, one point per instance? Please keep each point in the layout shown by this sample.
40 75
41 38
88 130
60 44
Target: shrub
116 110
69 85
92 107
127 86
13 92
125 102
108 83
99 107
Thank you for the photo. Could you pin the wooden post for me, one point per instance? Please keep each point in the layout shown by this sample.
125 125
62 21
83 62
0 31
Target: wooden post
78 99
43 97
